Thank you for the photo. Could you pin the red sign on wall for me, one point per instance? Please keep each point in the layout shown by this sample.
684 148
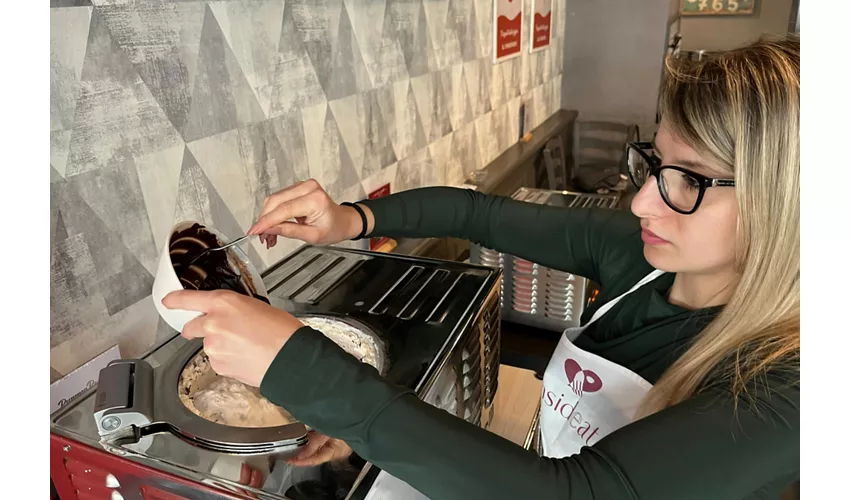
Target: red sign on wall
541 24
507 32
375 243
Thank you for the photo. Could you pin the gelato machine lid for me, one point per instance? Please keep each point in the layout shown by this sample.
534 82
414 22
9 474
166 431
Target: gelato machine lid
133 403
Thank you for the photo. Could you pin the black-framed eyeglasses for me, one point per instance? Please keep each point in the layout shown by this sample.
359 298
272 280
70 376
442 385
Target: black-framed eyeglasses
681 189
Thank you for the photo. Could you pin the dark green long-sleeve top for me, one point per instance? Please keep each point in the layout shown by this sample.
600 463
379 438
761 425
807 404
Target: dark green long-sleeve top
699 449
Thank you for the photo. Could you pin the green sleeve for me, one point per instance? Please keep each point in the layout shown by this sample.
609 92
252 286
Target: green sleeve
700 449
595 243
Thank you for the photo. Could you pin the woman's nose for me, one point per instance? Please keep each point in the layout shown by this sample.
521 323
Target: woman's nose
648 202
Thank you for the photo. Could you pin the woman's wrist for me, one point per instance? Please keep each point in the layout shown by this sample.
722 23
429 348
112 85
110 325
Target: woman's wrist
354 222
358 225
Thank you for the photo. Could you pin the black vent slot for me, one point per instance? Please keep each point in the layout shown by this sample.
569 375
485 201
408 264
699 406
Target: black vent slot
456 298
433 290
492 348
471 357
309 273
329 279
405 302
280 275
366 282
400 292
491 360
472 376
473 415
472 404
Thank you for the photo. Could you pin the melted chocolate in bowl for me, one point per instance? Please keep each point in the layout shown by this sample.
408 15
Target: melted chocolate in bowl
212 271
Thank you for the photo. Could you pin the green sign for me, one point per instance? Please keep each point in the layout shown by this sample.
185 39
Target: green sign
717 7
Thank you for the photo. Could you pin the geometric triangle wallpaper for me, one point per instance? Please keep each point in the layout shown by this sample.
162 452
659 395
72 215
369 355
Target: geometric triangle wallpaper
174 110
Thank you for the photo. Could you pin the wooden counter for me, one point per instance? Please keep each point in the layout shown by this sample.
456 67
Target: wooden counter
515 403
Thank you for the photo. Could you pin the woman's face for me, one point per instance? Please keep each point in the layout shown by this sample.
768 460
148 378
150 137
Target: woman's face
702 242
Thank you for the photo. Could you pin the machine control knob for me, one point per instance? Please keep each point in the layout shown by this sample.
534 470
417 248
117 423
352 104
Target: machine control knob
110 423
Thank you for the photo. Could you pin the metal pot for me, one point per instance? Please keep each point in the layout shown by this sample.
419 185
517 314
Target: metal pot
127 411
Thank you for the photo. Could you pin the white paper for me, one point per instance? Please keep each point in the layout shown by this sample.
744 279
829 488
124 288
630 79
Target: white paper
73 385
388 487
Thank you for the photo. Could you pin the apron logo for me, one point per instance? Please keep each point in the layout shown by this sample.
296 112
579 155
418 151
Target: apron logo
581 380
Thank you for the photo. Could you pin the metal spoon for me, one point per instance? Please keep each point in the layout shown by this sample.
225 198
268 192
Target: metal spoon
223 247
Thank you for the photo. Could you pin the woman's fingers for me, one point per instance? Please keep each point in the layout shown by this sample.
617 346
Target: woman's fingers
283 212
256 479
294 230
195 328
292 192
189 300
314 443
286 196
303 212
329 449
323 455
320 456
250 476
245 474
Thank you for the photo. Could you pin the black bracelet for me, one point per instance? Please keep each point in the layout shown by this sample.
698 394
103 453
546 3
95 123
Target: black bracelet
362 218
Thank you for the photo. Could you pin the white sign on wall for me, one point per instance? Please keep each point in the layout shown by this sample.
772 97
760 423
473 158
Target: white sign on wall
540 23
507 29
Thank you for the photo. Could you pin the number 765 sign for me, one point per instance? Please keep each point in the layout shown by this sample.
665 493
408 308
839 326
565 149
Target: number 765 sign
717 7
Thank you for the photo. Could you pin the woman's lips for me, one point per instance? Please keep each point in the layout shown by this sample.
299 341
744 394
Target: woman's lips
651 238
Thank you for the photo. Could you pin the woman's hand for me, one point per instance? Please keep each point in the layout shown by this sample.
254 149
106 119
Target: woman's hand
320 449
242 335
317 218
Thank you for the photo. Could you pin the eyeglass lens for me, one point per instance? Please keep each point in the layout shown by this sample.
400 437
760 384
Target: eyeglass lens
678 189
638 167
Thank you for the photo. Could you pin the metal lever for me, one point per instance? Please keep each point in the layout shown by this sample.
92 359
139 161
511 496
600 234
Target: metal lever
124 396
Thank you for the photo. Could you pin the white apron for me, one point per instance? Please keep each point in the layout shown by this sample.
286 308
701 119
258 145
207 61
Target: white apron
586 397
590 397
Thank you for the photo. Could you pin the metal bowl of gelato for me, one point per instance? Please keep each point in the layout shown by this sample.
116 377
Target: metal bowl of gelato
228 402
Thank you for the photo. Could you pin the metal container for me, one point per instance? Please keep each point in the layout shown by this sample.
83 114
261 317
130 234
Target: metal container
536 295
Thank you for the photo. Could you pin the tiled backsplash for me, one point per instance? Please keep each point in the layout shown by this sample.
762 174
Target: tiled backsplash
163 111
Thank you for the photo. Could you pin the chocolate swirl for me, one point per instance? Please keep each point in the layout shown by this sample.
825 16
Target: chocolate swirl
213 270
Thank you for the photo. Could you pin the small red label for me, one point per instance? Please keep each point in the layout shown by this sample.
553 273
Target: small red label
380 192
375 243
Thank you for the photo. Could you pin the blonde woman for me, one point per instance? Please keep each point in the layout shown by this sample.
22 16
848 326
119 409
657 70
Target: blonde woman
686 367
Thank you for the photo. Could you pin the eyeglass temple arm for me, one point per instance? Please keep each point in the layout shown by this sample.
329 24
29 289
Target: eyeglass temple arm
722 183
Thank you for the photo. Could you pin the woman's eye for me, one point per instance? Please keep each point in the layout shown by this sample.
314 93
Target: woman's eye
691 183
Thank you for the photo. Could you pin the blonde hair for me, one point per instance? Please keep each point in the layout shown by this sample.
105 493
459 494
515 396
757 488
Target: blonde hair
741 108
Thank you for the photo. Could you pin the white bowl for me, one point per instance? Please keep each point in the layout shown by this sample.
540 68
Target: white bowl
166 280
